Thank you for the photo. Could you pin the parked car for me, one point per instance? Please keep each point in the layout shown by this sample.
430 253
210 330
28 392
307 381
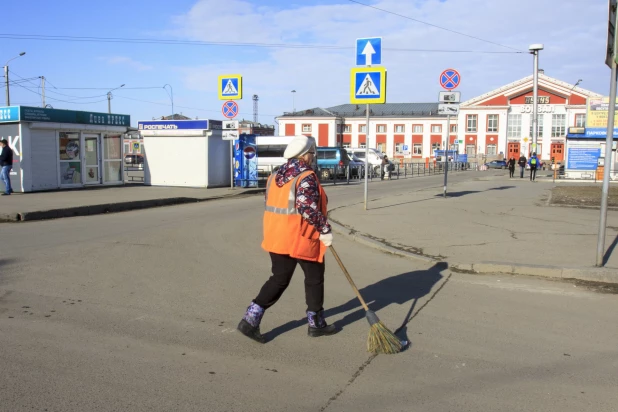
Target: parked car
356 164
496 164
331 158
132 159
375 157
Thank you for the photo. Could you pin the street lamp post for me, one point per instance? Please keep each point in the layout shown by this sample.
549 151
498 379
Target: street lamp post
293 101
171 94
109 98
6 77
534 50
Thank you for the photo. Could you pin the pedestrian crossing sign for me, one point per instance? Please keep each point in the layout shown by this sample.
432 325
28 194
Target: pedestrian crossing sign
368 85
230 87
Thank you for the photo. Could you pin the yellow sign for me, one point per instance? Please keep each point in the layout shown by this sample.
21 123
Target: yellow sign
230 87
597 112
368 85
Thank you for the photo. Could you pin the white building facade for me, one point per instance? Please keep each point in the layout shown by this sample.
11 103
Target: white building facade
496 124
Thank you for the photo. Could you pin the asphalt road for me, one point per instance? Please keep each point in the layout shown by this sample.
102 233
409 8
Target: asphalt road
137 312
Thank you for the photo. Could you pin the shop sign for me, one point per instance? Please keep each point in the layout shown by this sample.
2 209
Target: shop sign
597 112
539 99
38 114
540 109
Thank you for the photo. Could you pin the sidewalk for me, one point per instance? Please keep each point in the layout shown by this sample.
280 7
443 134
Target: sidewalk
492 224
82 202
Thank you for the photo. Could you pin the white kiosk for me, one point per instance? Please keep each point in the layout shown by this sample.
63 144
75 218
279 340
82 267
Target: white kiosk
185 153
61 149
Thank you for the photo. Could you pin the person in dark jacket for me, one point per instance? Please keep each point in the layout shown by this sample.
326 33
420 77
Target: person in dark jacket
6 162
522 166
534 163
511 165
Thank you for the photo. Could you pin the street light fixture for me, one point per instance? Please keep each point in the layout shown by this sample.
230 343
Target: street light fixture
6 77
171 94
534 50
109 98
293 101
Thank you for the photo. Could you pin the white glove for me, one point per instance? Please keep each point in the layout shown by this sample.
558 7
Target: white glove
327 239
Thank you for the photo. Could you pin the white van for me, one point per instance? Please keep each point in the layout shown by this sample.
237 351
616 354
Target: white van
375 156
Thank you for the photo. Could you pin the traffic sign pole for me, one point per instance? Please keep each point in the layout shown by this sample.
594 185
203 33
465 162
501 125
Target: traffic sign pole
608 156
448 126
367 158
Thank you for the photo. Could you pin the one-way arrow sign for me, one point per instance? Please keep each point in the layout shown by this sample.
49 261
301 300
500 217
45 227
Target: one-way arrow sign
369 51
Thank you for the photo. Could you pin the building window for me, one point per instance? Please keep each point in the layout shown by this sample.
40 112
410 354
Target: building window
436 128
539 123
492 123
127 148
471 123
417 128
363 145
558 125
400 128
347 128
418 149
381 147
381 128
492 149
453 128
346 145
399 148
580 120
435 146
362 128
514 126
306 128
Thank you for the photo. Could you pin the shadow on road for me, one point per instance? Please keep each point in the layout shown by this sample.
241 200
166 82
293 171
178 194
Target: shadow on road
3 273
610 250
470 192
399 289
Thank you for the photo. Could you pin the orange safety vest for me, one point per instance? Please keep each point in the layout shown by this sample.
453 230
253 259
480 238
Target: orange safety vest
285 230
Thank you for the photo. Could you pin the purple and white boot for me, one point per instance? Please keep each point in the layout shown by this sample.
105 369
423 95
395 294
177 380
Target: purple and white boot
250 323
318 326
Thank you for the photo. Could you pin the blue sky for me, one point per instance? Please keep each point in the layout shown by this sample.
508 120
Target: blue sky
573 34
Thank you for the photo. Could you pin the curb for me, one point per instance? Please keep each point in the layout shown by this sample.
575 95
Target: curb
113 207
593 274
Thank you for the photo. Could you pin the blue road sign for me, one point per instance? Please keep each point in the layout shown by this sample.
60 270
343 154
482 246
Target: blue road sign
230 87
369 51
368 85
230 109
449 79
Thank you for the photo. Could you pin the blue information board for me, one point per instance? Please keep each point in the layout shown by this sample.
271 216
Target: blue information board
583 158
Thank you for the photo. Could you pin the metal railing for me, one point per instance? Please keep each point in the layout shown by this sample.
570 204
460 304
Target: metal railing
351 174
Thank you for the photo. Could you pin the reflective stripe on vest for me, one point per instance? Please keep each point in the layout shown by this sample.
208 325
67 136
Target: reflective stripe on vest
291 209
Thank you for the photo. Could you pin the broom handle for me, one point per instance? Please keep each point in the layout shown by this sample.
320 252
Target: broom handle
347 275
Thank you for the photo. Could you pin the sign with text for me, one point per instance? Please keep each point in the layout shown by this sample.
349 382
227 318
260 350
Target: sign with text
597 111
583 158
173 125
38 114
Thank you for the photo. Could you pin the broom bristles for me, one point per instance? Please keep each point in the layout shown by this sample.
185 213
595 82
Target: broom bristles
382 340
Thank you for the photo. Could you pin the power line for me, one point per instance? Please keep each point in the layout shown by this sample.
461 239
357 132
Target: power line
241 44
438 27
58 100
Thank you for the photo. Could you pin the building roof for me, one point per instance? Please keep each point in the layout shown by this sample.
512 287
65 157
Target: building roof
376 110
176 116
526 83
255 124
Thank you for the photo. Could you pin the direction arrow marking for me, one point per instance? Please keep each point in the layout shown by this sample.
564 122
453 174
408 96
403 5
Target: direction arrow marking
368 51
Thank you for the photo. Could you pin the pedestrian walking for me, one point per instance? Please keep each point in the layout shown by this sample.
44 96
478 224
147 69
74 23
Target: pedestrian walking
511 165
296 232
522 165
6 163
384 166
534 163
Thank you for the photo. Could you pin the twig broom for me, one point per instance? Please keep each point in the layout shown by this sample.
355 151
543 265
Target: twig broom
381 339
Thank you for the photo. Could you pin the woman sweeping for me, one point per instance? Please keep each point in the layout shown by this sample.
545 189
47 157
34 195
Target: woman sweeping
296 232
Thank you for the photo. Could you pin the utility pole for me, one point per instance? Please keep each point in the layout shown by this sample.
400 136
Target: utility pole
43 90
6 78
534 49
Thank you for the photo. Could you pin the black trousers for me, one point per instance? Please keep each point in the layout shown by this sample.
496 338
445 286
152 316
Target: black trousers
512 171
532 172
283 267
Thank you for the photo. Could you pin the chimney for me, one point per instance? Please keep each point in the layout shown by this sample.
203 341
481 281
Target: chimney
541 71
